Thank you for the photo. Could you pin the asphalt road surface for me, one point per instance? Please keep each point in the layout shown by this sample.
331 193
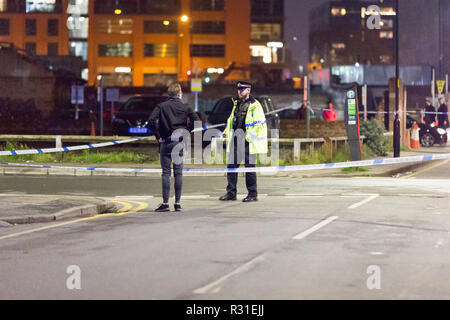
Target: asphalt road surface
344 238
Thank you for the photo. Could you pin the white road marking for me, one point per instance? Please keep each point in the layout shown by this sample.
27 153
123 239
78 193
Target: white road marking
195 196
215 286
294 195
358 204
376 253
314 228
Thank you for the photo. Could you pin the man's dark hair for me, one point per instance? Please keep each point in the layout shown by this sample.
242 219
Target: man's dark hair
174 89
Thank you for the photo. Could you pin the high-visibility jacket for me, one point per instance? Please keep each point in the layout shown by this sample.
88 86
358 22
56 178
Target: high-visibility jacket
255 127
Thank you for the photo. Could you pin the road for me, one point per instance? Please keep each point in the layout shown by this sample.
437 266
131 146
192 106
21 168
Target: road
323 238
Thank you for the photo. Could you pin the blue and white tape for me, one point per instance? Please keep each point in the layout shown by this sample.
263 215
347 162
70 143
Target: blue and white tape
63 149
337 165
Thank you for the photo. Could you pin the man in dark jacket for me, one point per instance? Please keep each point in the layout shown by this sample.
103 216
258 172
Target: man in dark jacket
430 113
164 121
443 118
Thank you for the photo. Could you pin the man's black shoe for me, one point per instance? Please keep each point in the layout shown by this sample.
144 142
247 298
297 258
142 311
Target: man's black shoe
227 197
250 198
177 207
162 208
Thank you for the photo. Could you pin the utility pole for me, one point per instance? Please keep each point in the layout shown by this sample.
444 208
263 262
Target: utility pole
396 137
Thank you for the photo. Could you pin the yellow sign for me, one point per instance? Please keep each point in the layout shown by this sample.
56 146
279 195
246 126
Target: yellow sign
440 85
196 85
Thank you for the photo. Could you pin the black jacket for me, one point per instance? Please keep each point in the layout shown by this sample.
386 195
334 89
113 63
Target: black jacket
429 117
443 118
169 116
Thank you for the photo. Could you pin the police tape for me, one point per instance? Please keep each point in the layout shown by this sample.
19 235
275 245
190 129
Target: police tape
399 112
322 166
63 149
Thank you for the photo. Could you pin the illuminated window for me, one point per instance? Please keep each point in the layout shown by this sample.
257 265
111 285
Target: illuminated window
159 80
43 6
116 25
261 54
386 24
162 50
386 34
265 31
385 59
338 45
117 79
387 12
78 7
80 29
2 5
115 50
78 49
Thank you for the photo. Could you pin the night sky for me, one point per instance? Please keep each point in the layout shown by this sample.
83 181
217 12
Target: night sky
418 30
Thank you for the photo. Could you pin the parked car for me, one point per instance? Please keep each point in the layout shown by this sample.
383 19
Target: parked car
430 135
222 110
131 118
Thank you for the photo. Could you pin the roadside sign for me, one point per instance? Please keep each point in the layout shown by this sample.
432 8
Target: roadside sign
440 85
112 94
77 96
196 85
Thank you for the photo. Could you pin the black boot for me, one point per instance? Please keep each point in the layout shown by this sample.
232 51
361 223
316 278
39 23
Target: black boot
227 197
250 198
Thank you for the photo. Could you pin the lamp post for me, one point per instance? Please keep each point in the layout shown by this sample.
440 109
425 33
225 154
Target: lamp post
396 136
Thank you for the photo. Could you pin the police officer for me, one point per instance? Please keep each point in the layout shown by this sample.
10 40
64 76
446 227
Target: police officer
246 134
430 113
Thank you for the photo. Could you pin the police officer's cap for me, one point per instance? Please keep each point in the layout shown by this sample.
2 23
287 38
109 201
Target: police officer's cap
243 85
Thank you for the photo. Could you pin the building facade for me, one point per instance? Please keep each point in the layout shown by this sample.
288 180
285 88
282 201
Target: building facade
134 42
339 34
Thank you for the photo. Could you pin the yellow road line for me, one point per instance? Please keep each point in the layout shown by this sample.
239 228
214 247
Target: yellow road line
413 175
124 210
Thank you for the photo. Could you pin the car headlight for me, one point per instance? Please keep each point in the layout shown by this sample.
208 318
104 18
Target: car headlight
441 131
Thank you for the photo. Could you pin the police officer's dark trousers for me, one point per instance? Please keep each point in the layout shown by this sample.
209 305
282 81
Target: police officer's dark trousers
235 158
165 153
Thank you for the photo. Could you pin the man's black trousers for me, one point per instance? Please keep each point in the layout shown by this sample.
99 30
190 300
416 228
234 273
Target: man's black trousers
165 153
235 158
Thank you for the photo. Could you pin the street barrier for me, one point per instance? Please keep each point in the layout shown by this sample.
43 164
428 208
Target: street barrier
64 149
337 165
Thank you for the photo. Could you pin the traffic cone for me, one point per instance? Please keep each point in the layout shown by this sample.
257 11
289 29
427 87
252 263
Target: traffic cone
415 140
408 138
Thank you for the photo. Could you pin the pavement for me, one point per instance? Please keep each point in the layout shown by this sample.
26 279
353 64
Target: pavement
22 209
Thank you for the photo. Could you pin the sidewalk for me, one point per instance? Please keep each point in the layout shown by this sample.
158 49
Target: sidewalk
20 209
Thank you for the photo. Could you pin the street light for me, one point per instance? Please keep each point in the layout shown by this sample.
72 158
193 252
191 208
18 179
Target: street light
396 136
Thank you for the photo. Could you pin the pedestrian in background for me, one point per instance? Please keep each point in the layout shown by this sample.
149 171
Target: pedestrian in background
248 122
443 118
430 113
167 117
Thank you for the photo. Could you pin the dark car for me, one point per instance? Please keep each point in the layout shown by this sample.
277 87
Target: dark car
430 135
131 118
222 110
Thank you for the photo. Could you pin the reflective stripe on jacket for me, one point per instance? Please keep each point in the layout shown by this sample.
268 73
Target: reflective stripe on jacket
255 125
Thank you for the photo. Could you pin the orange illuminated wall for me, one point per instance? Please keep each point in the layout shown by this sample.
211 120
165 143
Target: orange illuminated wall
18 37
236 40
